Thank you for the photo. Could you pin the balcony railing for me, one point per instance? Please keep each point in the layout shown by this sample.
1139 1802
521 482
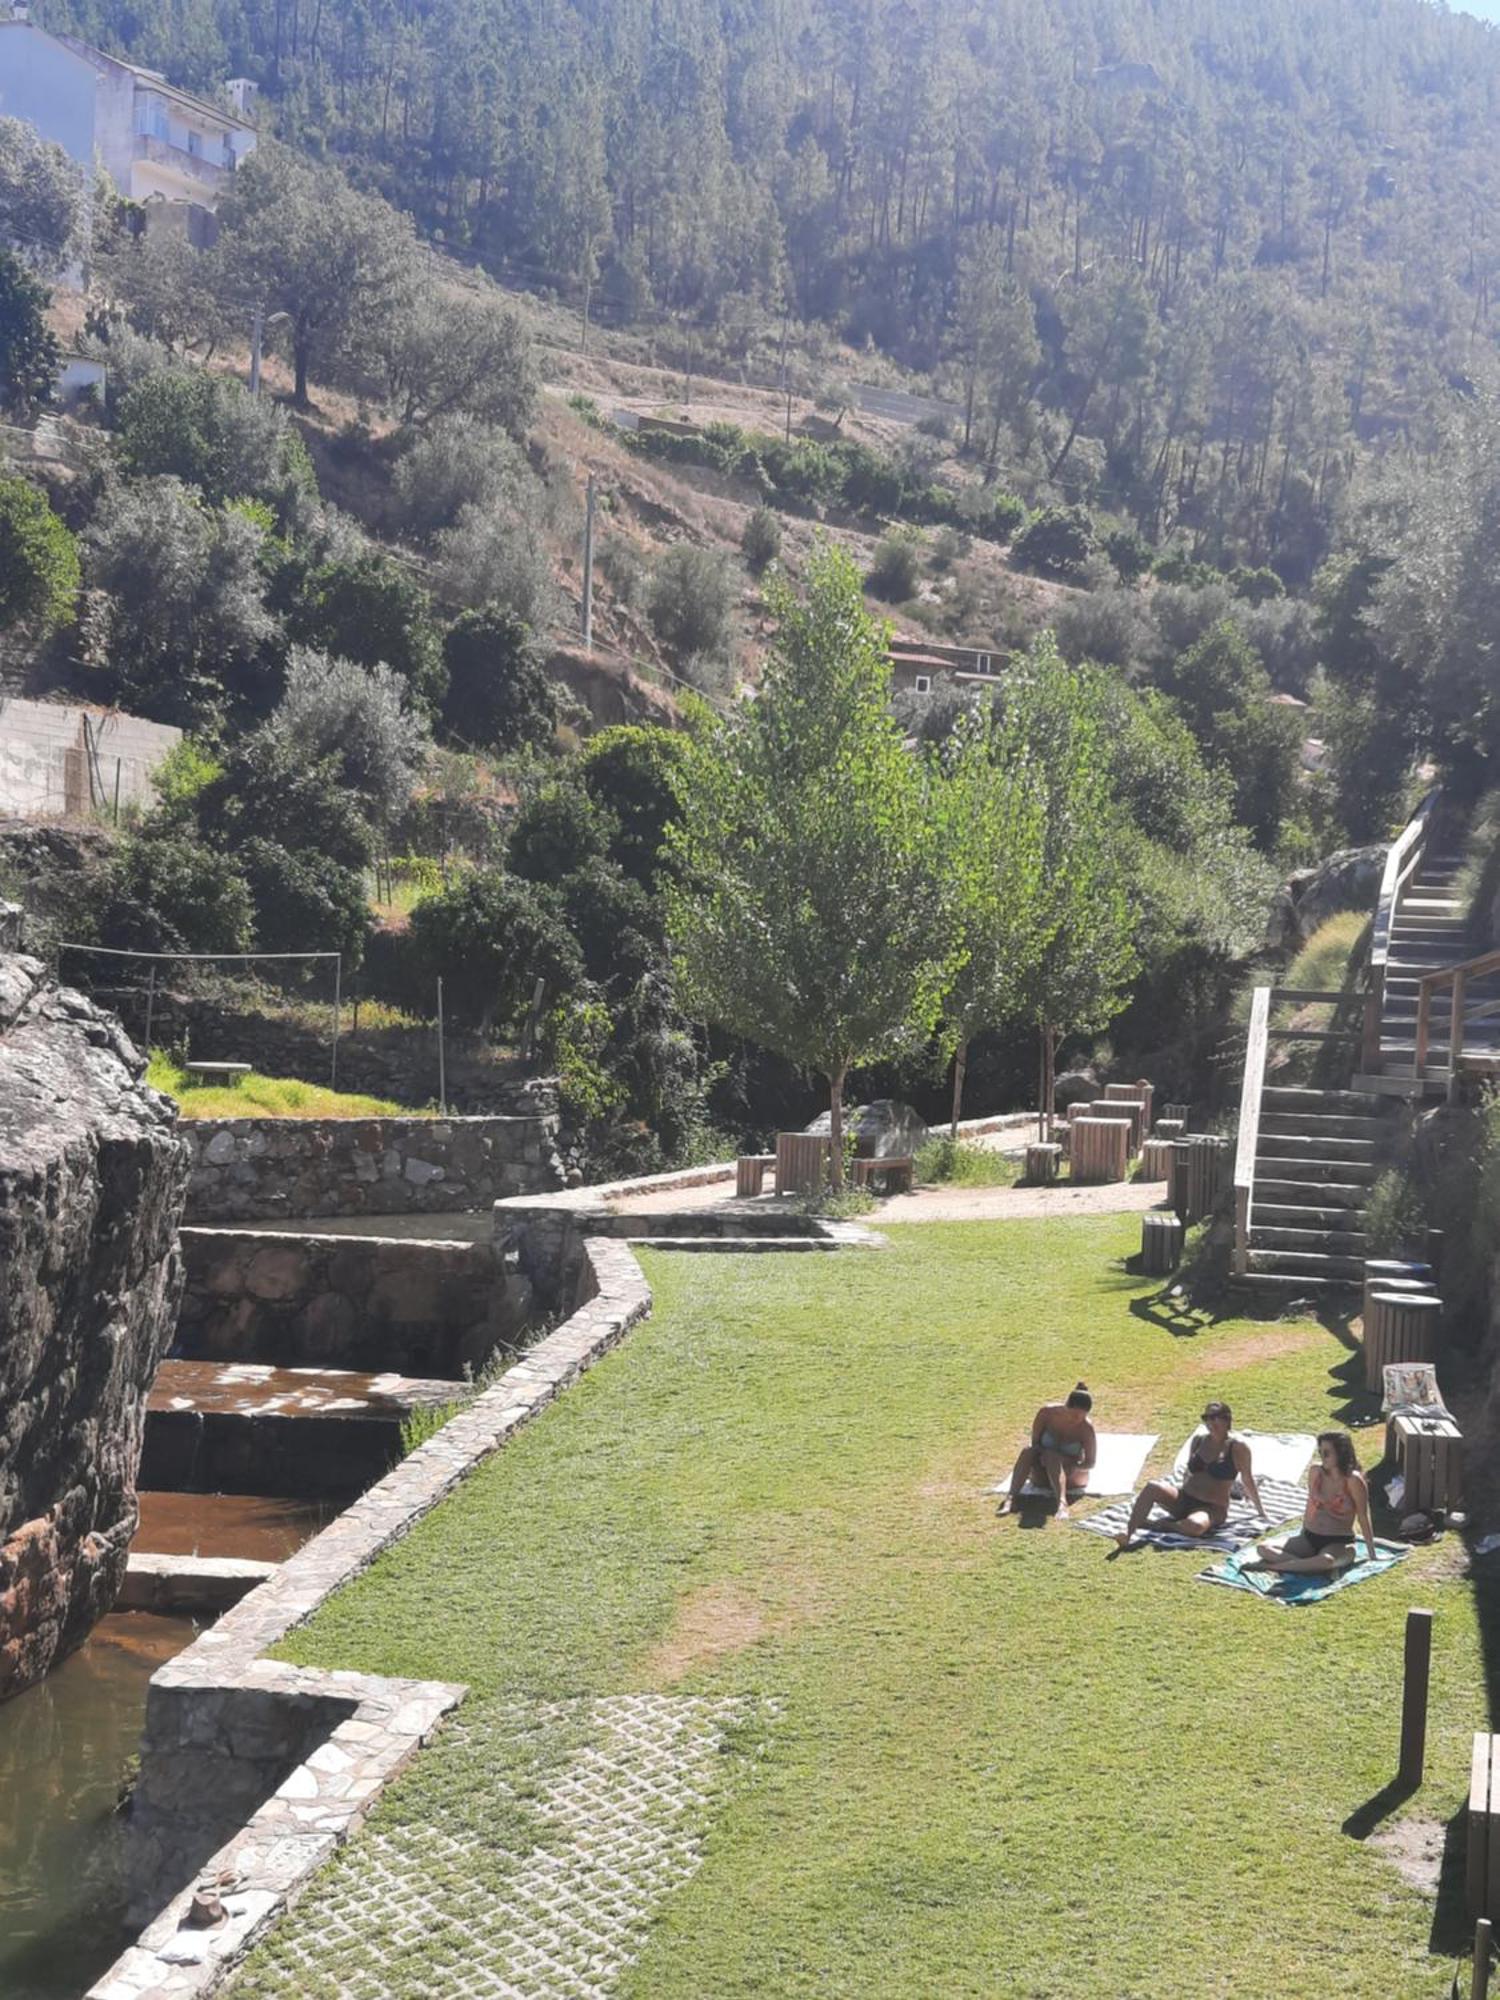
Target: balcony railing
178 160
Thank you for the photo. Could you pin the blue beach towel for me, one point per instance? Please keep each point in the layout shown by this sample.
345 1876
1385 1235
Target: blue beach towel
1283 1589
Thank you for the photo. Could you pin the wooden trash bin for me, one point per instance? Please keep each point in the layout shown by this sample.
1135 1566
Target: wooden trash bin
1100 1149
1161 1244
1176 1114
1156 1160
1430 1453
1134 1093
1198 1165
1128 1112
1395 1274
750 1173
802 1162
1042 1164
1400 1326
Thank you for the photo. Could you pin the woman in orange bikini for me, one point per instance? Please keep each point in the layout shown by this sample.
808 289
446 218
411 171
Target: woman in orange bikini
1337 1498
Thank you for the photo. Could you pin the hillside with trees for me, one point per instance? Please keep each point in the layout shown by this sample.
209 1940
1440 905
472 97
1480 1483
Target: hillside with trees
1191 260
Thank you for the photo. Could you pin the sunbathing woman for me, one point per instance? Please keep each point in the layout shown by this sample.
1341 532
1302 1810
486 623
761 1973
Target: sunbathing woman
1337 1497
1200 1505
1063 1447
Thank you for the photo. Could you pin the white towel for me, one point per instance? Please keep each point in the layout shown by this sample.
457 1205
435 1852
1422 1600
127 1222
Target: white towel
1116 1470
1283 1455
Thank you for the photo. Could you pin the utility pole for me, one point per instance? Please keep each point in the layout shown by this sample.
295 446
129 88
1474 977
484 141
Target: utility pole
588 569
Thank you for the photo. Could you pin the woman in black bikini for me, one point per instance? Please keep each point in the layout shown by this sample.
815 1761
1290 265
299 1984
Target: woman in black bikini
1216 1459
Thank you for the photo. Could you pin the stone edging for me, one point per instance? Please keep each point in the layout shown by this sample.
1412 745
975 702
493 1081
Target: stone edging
219 1714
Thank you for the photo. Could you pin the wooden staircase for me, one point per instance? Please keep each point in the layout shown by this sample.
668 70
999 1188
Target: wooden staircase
1317 1154
1430 932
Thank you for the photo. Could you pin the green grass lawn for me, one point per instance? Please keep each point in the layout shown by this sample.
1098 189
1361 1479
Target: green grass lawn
1003 1764
257 1096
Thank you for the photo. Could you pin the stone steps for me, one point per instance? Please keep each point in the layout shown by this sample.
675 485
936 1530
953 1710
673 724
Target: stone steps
1331 1241
1308 1263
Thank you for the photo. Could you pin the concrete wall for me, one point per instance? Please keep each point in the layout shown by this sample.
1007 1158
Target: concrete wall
44 756
363 1302
249 1169
46 84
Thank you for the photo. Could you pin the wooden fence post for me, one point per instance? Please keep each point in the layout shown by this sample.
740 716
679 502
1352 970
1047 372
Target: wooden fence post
1479 1983
1415 1680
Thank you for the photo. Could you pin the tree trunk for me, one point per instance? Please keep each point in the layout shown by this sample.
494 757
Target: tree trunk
960 1064
836 1125
299 354
1049 1079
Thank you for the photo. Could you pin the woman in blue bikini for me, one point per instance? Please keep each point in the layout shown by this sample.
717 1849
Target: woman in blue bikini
1063 1448
1200 1505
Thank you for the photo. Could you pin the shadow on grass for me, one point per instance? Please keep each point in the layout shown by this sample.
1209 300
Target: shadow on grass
1179 1316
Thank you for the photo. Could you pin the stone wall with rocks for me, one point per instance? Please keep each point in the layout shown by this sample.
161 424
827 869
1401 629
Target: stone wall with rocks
259 1169
92 1179
361 1302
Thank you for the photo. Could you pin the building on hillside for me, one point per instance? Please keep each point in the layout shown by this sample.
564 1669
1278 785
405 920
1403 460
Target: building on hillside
924 664
160 146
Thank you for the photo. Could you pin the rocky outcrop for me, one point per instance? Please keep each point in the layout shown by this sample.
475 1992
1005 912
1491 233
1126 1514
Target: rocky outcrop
883 1129
1348 880
92 1179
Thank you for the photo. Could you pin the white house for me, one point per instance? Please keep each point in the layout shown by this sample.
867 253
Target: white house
158 144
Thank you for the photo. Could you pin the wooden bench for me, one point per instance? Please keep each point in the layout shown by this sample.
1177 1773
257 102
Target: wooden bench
750 1173
902 1165
217 1072
1482 1876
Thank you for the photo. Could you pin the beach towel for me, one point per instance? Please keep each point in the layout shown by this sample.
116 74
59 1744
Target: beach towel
1117 1469
1276 1589
1283 1455
1283 1502
1411 1385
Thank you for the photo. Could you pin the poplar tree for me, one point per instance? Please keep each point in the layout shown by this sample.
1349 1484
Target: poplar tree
808 913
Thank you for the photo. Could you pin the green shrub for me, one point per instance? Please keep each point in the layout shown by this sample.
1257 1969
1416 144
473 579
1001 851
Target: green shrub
1395 1216
964 1164
39 567
588 409
1256 586
691 602
1129 551
897 568
760 544
1056 543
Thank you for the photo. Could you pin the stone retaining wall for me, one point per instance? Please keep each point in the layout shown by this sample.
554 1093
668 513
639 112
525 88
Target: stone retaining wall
362 1302
257 1771
259 1169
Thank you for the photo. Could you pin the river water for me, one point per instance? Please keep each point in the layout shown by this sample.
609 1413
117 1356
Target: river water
66 1748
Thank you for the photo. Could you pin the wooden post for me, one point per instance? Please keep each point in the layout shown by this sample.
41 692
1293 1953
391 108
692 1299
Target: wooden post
1415 1679
1479 1982
1456 1022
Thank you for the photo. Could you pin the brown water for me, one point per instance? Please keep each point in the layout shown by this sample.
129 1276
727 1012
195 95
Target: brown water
228 1524
65 1749
258 1388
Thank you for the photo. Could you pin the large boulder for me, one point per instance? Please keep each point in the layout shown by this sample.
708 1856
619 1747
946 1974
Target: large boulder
1075 1086
92 1180
883 1130
1348 880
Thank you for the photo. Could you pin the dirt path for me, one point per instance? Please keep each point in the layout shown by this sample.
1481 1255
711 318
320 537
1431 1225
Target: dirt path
935 1204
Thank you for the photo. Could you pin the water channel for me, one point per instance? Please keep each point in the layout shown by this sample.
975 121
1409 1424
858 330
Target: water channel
67 1747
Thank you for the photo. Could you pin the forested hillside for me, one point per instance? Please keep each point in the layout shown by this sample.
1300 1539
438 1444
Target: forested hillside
1187 258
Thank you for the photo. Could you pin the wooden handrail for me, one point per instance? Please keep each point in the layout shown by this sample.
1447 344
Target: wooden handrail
1249 1133
1403 858
1432 982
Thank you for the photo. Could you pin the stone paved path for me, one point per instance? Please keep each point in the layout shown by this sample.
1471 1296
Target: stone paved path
529 1871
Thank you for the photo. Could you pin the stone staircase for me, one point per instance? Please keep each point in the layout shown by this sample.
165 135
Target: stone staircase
1429 931
1318 1154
